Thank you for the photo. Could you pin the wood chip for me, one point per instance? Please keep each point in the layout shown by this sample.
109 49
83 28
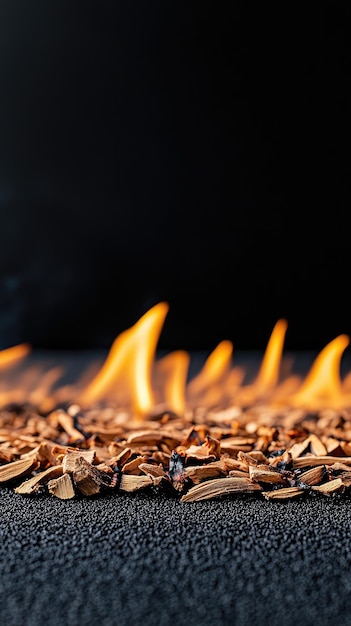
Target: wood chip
330 487
198 473
17 469
69 461
87 478
310 460
276 452
132 483
313 476
62 487
219 487
266 474
284 493
31 484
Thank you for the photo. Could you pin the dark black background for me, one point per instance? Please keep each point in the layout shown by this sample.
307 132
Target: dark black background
193 152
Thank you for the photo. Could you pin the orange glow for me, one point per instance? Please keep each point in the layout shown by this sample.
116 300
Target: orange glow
174 370
13 354
130 359
41 394
268 375
214 368
322 386
132 379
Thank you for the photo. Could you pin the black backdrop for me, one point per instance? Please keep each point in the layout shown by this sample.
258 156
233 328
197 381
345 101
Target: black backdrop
193 152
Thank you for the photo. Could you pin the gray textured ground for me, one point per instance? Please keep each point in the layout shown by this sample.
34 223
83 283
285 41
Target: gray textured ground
130 560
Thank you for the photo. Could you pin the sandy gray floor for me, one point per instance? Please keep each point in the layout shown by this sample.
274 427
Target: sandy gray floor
130 560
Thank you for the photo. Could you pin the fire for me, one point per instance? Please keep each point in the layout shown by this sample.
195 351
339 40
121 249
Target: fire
323 386
13 354
130 362
132 376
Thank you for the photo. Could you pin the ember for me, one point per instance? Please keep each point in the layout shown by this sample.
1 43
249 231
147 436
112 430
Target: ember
140 423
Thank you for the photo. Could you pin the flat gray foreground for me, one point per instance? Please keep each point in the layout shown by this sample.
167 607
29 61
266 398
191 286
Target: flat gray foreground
130 560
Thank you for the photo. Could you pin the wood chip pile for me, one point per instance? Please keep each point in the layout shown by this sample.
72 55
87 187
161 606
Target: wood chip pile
274 454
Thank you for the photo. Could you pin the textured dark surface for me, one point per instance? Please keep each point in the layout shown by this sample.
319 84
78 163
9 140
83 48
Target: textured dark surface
131 560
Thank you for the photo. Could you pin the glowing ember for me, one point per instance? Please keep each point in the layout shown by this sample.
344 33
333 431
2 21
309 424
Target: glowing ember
139 420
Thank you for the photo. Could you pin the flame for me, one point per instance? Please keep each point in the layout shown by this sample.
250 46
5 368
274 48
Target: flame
134 379
13 354
206 385
130 359
173 369
323 386
269 372
212 371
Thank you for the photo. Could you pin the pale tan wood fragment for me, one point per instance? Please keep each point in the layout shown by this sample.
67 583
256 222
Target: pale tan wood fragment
258 456
62 487
299 448
152 470
123 457
30 485
66 422
333 446
265 474
345 477
71 456
313 476
233 449
311 460
134 483
210 448
330 487
219 487
17 469
317 447
239 474
283 494
199 473
247 458
132 467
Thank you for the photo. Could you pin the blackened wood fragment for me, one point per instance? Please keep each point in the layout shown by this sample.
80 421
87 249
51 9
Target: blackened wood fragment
176 470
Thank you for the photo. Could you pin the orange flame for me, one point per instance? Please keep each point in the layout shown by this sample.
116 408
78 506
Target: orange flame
174 370
268 375
322 386
215 366
133 378
130 359
13 354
